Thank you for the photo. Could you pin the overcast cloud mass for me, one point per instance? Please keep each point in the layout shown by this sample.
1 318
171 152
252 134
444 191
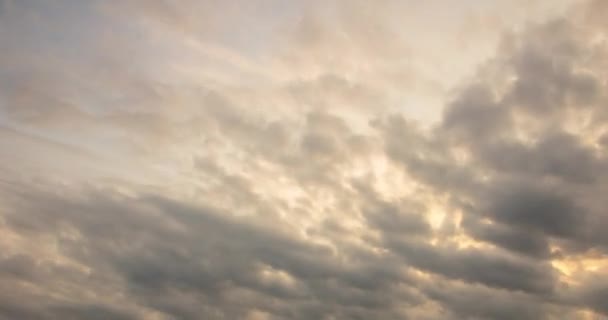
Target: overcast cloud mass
269 159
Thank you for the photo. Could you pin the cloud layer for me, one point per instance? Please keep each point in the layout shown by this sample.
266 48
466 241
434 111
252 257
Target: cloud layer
304 160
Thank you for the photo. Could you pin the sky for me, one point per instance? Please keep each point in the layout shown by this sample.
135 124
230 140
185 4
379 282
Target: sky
272 159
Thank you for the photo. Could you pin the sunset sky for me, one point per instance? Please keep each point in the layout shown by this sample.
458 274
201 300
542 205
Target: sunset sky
303 159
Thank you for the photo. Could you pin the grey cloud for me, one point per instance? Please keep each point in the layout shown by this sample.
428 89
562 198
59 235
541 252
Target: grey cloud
595 295
22 273
538 188
162 249
478 302
545 65
476 114
537 209
391 219
426 156
513 170
479 266
324 145
527 242
556 154
88 312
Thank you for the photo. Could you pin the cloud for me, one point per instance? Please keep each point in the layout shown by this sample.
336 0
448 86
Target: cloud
164 250
478 266
164 160
515 239
464 301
